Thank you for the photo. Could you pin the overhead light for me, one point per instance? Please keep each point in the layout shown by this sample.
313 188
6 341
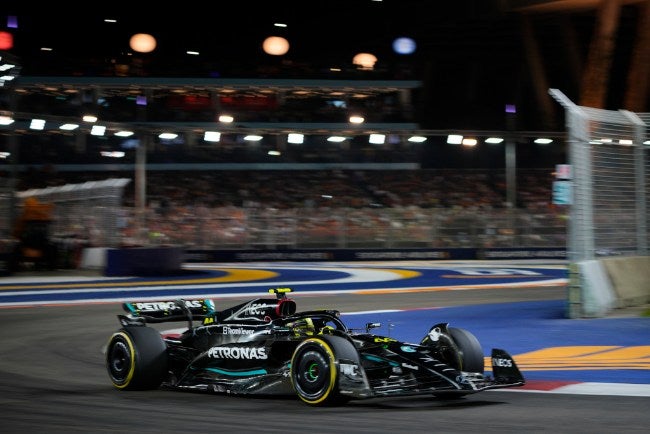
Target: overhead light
90 118
417 139
469 142
377 139
4 155
625 142
69 127
355 119
454 139
273 152
296 138
212 136
365 61
253 138
494 140
37 124
167 136
8 68
647 142
226 119
543 141
192 53
6 120
98 130
112 154
336 139
124 133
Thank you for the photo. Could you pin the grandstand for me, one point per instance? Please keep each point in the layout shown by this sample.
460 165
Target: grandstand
270 209
273 193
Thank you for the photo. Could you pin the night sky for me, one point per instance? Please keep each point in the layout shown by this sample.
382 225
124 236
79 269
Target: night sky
470 54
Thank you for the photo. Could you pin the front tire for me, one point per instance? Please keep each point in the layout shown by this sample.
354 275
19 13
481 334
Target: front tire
136 358
471 354
468 357
314 373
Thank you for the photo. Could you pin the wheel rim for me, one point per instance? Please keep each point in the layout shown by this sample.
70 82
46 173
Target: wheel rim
312 374
120 362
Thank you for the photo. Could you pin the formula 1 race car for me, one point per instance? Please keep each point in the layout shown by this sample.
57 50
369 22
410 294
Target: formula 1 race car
265 347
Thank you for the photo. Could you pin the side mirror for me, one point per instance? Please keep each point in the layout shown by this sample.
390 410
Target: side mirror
372 325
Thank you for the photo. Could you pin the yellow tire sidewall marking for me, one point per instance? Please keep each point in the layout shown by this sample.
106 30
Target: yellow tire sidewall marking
333 371
129 343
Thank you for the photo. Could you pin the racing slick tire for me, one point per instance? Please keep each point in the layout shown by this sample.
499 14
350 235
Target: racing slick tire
314 372
136 358
469 358
471 353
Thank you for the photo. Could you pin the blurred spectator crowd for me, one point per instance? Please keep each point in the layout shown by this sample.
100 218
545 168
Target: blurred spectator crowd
440 188
319 209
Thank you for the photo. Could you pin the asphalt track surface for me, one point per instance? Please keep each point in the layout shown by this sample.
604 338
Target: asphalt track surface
586 375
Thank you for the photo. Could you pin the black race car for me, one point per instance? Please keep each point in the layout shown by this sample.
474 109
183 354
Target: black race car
264 346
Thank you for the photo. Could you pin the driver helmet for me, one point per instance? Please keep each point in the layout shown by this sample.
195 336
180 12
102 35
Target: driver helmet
304 327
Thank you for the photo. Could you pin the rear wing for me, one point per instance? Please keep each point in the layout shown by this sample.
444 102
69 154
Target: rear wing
166 311
261 309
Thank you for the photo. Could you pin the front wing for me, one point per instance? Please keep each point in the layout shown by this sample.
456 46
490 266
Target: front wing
429 376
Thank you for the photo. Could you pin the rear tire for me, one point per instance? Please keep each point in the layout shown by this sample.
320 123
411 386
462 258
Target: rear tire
136 358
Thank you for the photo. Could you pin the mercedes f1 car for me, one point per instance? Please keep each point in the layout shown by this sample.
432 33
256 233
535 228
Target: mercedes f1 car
264 346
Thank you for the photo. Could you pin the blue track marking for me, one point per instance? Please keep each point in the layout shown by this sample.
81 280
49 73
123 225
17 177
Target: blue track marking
612 350
211 281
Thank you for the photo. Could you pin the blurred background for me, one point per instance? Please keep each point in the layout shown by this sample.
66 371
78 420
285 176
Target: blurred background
290 124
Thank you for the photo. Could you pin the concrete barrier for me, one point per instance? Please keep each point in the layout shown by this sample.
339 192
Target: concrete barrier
630 277
597 297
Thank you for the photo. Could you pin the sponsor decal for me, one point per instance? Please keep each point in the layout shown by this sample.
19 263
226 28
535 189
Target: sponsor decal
495 272
226 330
425 254
434 334
407 349
258 308
413 367
504 363
349 369
263 256
495 254
380 339
247 353
164 305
